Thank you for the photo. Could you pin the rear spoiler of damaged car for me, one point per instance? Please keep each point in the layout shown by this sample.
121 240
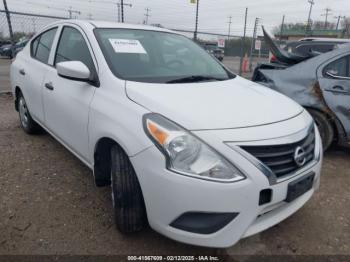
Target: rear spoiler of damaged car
282 55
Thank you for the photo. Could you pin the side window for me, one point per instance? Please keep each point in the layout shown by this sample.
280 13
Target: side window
339 67
72 47
41 46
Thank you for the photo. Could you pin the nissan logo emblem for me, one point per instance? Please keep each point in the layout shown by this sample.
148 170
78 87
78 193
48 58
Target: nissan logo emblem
299 156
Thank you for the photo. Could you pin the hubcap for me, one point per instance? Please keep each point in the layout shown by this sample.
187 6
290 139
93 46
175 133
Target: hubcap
23 113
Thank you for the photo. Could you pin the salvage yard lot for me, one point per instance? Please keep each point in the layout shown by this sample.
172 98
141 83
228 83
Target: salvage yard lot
49 205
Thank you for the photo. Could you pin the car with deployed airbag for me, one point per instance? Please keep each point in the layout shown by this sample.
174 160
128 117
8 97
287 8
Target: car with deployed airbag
202 155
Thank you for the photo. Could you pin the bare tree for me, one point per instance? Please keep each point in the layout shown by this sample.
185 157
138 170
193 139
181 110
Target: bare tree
319 25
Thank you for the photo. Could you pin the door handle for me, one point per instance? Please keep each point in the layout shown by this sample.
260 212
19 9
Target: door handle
338 90
49 86
22 72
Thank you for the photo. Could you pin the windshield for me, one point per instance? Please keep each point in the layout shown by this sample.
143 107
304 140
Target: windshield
157 57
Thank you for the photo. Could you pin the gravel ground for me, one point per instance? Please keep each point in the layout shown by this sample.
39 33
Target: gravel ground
50 206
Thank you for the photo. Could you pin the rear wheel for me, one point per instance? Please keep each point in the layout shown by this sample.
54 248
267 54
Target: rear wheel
324 126
27 122
129 208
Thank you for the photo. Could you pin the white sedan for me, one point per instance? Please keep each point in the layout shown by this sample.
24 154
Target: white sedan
202 155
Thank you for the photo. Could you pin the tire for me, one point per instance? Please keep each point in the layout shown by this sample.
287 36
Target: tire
324 126
128 203
27 122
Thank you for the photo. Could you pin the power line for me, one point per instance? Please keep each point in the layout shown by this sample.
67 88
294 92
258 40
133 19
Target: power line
70 10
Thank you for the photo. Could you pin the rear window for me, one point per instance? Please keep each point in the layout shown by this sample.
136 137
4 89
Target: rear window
41 46
339 67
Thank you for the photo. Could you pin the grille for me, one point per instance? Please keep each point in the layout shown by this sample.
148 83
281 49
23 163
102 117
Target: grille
280 158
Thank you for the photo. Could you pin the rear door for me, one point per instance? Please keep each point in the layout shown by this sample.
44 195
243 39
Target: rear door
32 71
66 101
334 79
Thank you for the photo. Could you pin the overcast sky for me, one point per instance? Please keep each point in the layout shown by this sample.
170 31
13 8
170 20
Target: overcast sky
213 14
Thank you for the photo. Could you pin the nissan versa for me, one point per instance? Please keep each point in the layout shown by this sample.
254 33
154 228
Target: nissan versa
202 155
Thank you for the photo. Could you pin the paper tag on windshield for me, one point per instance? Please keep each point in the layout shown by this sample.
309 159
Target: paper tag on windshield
127 46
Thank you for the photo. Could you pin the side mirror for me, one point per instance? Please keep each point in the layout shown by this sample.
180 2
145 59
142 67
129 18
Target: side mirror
74 70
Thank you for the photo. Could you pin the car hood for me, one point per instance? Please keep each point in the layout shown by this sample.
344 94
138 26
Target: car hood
235 103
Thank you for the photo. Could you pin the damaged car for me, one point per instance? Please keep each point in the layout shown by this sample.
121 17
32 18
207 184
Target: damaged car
319 82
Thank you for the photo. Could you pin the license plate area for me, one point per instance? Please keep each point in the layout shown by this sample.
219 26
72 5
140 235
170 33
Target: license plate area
299 187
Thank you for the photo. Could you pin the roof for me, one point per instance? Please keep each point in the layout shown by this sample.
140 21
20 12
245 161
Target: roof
108 24
323 39
320 33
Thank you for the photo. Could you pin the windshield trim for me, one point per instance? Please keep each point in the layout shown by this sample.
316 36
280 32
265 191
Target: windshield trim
230 75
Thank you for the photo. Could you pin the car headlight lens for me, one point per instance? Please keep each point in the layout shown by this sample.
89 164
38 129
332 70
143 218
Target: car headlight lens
186 154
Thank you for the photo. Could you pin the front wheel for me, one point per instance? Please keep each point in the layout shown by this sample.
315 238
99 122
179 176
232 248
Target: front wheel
324 126
129 207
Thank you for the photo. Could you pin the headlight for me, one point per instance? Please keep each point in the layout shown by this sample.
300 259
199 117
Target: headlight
186 154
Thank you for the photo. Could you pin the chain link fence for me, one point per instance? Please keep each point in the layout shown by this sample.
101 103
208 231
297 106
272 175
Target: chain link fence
23 24
237 50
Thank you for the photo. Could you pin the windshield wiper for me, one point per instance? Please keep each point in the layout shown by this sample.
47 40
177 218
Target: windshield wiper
194 78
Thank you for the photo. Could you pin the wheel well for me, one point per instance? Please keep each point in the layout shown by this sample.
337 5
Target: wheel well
17 93
335 123
102 161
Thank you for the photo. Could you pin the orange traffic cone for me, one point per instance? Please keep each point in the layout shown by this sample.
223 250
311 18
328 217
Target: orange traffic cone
245 63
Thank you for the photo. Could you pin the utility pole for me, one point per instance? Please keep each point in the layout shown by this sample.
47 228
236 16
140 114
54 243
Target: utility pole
282 28
338 21
243 41
10 26
339 18
147 15
122 9
308 27
229 27
253 44
196 26
328 12
71 12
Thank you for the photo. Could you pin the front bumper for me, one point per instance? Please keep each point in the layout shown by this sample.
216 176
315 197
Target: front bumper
168 196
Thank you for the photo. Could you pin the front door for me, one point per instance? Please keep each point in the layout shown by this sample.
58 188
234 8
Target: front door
67 102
